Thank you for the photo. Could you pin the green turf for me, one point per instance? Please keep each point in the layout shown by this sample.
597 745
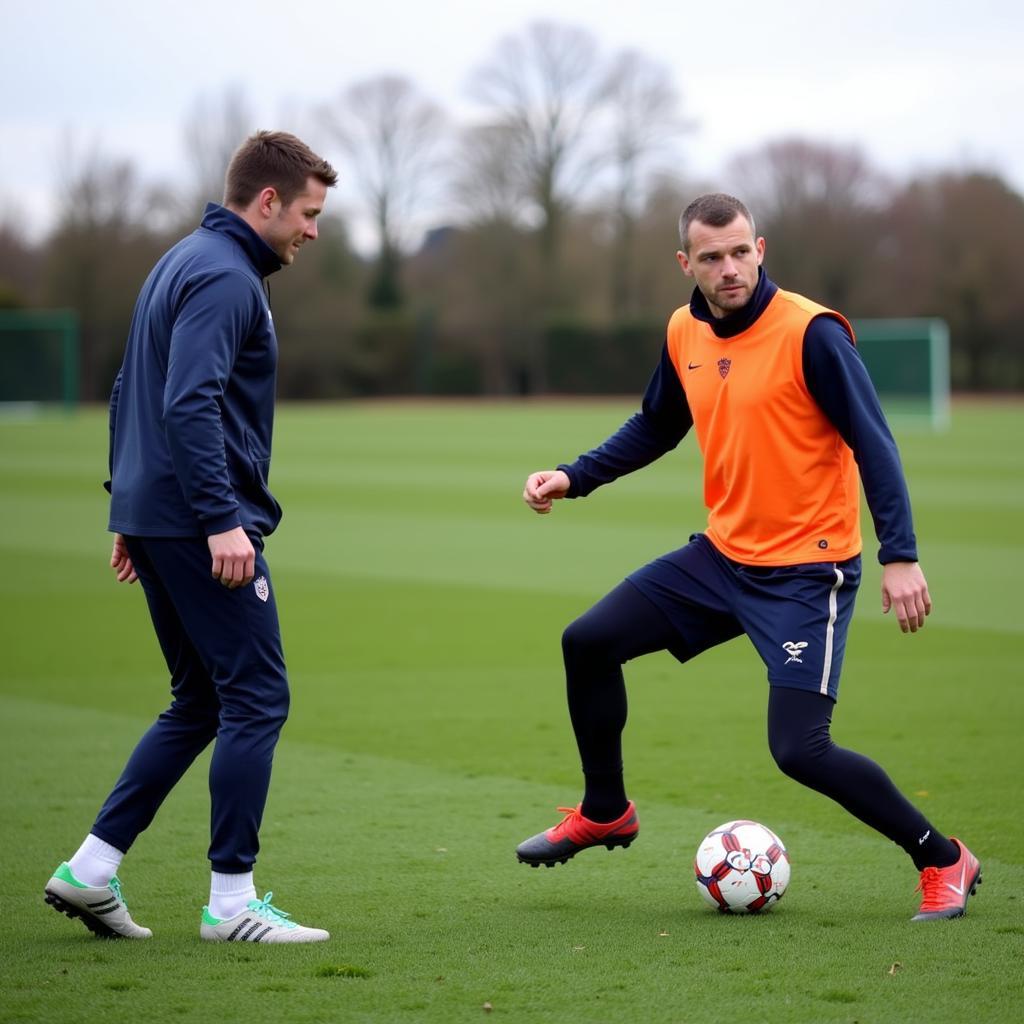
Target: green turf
421 606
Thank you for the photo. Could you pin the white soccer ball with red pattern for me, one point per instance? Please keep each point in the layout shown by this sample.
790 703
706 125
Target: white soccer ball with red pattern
741 867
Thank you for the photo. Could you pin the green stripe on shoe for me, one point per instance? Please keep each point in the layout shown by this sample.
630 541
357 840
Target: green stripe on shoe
64 874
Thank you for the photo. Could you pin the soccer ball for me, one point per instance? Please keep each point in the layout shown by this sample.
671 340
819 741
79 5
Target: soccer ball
741 867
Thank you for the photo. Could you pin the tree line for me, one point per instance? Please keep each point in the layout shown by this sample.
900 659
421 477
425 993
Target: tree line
532 250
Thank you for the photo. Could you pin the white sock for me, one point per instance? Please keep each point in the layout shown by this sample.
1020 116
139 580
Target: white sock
96 862
230 894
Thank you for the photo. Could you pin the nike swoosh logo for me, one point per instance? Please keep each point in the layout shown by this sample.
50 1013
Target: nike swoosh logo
694 366
959 890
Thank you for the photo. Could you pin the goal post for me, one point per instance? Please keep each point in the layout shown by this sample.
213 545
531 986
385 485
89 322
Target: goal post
39 357
908 360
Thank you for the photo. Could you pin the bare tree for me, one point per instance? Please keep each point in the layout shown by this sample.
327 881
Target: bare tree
214 128
490 293
20 260
658 282
488 182
642 106
819 206
391 135
944 253
103 236
542 89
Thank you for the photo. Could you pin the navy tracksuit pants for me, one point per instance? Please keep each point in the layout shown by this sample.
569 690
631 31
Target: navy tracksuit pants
228 684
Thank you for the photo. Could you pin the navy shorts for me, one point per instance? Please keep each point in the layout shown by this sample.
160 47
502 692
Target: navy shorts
796 616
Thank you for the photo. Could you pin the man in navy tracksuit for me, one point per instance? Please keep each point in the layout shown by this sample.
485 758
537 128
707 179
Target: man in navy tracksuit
191 417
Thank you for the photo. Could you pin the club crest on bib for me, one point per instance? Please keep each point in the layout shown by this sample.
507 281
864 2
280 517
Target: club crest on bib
723 367
262 588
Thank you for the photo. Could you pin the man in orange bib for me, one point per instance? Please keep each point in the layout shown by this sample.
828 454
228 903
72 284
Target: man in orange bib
787 419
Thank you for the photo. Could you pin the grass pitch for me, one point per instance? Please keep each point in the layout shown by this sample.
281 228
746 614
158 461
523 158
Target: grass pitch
421 606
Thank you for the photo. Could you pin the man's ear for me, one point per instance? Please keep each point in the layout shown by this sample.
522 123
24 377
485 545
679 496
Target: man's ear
265 201
684 263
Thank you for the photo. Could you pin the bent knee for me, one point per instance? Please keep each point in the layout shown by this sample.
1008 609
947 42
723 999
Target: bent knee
582 641
266 707
798 758
791 759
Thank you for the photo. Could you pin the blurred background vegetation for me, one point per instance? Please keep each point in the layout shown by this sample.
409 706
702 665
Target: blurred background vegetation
532 250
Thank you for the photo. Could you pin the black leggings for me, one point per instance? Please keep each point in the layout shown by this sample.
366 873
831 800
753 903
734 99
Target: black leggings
624 625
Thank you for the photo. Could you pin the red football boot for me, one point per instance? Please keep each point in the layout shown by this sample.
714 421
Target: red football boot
944 891
574 833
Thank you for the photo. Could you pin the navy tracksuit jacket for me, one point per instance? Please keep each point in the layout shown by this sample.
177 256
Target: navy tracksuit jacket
191 419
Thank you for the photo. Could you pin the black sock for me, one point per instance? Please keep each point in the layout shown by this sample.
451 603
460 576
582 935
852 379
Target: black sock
935 851
604 799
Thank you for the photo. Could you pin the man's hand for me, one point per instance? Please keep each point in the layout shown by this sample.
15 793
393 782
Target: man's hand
541 488
120 561
234 558
905 589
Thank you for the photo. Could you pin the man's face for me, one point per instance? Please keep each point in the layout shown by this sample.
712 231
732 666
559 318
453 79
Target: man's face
723 261
287 228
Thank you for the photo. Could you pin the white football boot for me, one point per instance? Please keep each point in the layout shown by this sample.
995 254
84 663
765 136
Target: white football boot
101 908
259 922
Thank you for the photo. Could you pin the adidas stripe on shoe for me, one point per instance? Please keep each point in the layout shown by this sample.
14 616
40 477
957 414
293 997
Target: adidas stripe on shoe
574 833
102 909
259 922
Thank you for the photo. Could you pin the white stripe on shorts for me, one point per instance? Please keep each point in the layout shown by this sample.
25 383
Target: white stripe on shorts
830 629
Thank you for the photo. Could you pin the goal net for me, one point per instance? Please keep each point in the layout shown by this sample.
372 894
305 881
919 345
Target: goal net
38 357
908 360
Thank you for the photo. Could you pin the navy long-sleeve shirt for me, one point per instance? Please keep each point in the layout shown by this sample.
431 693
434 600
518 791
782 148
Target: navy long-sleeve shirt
836 379
192 408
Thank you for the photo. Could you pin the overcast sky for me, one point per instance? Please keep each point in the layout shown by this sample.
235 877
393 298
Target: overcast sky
918 84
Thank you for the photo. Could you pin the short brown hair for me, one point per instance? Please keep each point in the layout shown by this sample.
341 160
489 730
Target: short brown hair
715 209
277 160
